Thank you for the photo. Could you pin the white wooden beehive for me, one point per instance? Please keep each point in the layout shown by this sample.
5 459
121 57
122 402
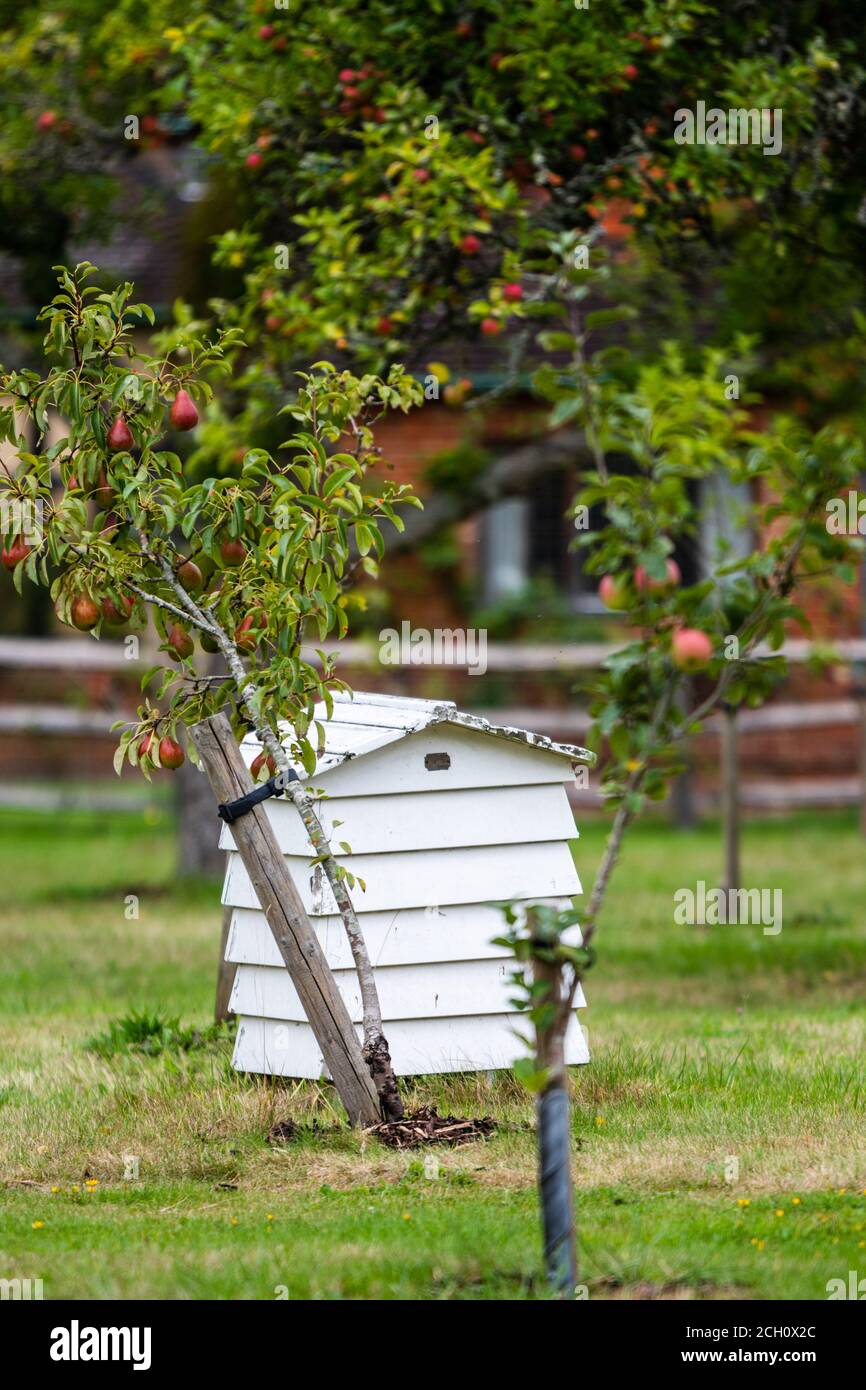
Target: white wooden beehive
445 815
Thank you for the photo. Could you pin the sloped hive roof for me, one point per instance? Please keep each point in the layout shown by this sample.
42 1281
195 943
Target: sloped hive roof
364 722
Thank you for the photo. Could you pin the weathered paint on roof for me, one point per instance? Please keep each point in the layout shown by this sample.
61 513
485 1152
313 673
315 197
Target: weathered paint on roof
367 721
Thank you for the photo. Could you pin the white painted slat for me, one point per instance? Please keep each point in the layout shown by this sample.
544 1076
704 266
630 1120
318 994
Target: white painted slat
418 1047
443 990
427 878
387 824
455 932
476 761
390 760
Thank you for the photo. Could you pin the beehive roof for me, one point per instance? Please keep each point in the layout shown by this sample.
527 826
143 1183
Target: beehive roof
365 722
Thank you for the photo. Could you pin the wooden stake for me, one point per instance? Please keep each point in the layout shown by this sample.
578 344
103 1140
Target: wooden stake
730 797
556 1187
287 918
226 971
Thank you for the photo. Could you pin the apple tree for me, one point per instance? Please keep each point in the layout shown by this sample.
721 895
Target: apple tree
655 430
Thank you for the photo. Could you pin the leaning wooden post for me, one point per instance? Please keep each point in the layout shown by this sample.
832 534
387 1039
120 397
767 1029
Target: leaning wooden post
287 918
226 972
730 797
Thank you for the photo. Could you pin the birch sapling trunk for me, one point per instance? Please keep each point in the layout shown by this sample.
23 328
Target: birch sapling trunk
554 1136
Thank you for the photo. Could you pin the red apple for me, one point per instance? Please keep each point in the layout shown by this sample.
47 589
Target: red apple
266 32
170 754
490 327
691 649
183 414
46 119
384 325
253 160
645 585
577 152
613 593
83 612
18 551
120 436
512 293
470 245
273 323
346 75
629 72
421 175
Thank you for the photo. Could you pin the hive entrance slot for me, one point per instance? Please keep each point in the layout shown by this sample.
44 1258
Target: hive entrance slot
437 762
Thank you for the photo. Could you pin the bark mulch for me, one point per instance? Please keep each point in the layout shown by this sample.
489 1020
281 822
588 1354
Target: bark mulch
427 1126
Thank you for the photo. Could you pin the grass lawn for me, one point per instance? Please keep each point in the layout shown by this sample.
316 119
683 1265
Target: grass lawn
721 1145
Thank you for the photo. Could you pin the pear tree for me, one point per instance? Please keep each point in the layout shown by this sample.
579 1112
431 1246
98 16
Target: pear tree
249 567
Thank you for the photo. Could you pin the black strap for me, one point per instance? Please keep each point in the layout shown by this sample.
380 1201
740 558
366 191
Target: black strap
275 786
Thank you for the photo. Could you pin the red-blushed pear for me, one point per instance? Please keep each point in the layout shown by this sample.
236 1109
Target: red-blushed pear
691 649
180 642
144 746
613 594
83 612
455 392
249 631
120 436
114 616
260 761
645 585
103 493
16 552
170 754
233 553
190 576
183 414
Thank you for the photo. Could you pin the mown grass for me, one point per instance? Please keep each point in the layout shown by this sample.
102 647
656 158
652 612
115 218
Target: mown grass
727 1081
